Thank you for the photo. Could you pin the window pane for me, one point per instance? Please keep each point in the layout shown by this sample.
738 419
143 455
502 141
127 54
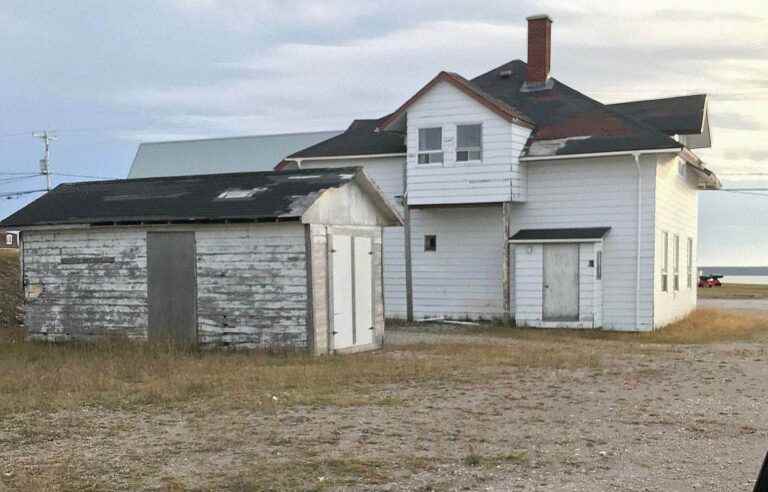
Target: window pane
469 135
430 139
462 155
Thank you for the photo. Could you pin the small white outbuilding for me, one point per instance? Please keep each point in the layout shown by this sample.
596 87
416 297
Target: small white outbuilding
265 260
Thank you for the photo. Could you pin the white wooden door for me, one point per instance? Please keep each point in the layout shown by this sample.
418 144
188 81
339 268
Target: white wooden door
561 282
363 254
343 315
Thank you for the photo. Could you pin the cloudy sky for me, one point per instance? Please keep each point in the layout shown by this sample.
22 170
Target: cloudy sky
107 76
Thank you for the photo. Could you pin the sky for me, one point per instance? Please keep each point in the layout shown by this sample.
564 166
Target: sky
109 75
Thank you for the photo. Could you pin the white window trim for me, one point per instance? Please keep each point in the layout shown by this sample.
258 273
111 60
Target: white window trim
442 147
456 161
676 262
664 279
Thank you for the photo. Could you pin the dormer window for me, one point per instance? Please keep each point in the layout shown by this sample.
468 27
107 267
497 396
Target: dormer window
430 145
469 143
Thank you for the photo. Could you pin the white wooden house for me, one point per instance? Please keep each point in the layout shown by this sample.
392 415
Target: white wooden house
525 199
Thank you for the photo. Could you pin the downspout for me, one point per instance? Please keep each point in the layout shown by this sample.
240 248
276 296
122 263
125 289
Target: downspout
636 155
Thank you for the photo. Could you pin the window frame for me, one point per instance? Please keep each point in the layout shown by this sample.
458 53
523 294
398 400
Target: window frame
468 149
430 243
676 262
9 239
664 261
429 152
599 264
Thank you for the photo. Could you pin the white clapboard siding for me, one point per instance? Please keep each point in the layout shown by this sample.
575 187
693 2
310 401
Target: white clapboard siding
497 178
676 213
389 174
252 285
462 279
85 300
599 192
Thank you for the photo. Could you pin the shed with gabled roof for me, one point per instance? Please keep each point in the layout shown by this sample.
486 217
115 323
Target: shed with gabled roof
249 259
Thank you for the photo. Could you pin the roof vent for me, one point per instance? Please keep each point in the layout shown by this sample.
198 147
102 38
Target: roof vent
237 194
505 74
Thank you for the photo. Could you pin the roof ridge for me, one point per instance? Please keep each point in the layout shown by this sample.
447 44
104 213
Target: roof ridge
237 137
636 101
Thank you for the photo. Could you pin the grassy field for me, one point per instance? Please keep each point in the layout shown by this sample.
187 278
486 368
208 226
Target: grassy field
735 291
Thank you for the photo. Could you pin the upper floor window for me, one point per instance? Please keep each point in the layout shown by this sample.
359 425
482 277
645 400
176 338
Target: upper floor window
430 145
469 143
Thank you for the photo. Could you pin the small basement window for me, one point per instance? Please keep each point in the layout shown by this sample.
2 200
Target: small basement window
430 242
430 145
236 194
469 143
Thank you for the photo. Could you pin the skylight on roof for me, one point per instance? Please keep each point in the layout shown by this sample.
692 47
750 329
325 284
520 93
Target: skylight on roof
237 194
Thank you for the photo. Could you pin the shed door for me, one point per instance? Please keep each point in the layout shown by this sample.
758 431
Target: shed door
343 315
363 254
561 282
172 287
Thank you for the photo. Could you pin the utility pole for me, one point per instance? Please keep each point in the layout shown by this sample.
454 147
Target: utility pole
45 169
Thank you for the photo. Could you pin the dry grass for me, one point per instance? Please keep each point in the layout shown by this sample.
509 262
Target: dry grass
735 291
703 326
124 375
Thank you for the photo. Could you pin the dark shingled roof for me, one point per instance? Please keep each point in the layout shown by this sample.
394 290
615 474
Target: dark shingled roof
359 139
682 115
566 121
183 199
560 234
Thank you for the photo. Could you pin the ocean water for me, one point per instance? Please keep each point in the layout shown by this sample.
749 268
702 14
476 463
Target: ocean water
745 279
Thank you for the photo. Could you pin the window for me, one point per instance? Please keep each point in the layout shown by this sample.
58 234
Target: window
676 262
430 145
469 140
664 260
599 265
681 168
9 239
430 242
689 264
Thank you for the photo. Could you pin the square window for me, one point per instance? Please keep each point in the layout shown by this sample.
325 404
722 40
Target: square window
469 142
430 145
430 242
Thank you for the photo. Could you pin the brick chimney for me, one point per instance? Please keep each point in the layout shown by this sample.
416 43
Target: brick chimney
539 49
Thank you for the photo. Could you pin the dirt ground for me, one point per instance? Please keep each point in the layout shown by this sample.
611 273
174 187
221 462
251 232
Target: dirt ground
647 417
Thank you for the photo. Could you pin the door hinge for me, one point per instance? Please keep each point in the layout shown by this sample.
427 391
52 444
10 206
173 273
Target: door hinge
371 328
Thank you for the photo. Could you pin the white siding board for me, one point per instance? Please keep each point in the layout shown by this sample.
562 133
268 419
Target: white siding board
462 279
599 192
676 213
446 106
388 174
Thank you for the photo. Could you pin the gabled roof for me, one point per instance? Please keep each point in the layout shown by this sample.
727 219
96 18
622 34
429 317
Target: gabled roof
683 115
219 155
500 107
567 121
187 199
361 138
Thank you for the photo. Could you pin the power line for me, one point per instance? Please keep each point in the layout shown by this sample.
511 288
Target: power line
84 176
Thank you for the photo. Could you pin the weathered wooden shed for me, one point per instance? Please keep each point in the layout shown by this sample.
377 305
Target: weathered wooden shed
289 259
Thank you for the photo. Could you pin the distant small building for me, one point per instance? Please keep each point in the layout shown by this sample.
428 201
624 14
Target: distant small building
250 259
9 240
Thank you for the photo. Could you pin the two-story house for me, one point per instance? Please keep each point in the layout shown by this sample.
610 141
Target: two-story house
526 199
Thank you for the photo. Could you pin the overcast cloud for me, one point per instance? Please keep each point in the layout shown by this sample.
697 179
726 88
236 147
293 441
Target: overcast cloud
108 76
